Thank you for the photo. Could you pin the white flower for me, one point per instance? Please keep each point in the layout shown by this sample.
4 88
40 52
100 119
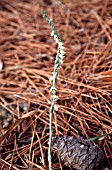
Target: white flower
50 21
55 98
50 79
62 52
62 48
57 40
55 37
60 61
56 107
61 56
60 44
52 33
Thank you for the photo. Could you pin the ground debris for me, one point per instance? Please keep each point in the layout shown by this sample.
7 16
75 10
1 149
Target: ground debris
78 155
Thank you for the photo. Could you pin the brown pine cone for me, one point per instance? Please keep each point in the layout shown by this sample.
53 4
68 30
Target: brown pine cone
78 155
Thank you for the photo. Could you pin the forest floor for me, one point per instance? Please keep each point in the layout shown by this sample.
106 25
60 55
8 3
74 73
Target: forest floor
84 86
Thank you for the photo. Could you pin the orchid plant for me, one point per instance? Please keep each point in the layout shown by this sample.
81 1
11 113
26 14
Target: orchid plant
58 61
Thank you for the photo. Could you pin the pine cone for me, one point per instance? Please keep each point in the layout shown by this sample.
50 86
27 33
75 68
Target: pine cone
77 154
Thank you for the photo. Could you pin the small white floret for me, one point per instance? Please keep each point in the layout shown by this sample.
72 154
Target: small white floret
50 79
62 52
60 43
56 107
52 33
